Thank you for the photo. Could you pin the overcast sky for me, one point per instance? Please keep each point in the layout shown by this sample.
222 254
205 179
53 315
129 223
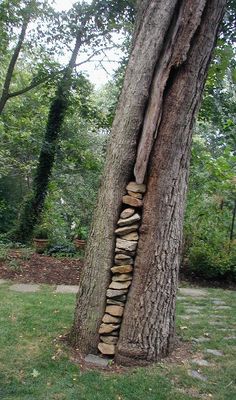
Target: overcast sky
97 74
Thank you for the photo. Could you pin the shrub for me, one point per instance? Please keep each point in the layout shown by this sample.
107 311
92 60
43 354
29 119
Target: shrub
212 260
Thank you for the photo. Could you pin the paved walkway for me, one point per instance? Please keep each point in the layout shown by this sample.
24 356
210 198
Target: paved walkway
33 288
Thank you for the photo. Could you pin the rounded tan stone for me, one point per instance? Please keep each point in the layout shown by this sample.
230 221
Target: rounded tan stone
132 201
136 195
129 221
128 212
113 293
119 285
108 328
116 311
122 269
109 339
122 277
126 244
126 229
131 236
106 349
110 319
135 187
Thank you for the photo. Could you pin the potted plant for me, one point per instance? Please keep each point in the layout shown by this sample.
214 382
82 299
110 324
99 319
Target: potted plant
41 239
80 237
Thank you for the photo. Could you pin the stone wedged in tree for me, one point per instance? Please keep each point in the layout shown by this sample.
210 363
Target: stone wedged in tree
122 269
127 252
135 187
121 259
108 328
120 302
115 311
122 277
132 201
119 285
109 339
116 293
126 229
106 349
133 236
126 244
110 319
129 221
121 262
127 212
136 195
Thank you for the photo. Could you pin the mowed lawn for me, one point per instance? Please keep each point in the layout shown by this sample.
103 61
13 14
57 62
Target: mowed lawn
35 365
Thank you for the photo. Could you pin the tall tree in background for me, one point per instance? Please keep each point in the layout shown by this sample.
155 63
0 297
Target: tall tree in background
90 25
151 136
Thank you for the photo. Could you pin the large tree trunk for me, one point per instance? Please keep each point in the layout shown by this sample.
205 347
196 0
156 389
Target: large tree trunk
162 89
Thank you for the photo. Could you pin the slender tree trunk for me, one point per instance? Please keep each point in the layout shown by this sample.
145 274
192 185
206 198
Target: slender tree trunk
33 207
152 129
6 86
231 236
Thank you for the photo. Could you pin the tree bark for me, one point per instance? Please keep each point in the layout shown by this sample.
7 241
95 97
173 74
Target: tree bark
162 89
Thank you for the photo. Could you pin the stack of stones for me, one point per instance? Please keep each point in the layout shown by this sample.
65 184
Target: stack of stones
122 270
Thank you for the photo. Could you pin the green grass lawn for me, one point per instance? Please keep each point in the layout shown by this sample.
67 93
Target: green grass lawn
34 365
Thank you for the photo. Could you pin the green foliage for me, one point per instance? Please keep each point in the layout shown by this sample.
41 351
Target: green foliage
41 232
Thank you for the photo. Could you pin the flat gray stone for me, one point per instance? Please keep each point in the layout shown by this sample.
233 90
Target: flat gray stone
185 317
25 287
201 362
230 338
181 298
67 289
96 360
2 281
193 292
218 302
222 308
201 339
195 374
214 352
192 310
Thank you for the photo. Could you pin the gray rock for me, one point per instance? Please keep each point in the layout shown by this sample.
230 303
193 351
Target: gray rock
106 349
230 338
218 302
214 352
129 221
96 360
201 362
67 289
222 308
192 310
193 292
110 319
25 287
195 374
201 339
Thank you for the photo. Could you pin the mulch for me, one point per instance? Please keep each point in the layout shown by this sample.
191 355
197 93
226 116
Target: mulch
38 268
